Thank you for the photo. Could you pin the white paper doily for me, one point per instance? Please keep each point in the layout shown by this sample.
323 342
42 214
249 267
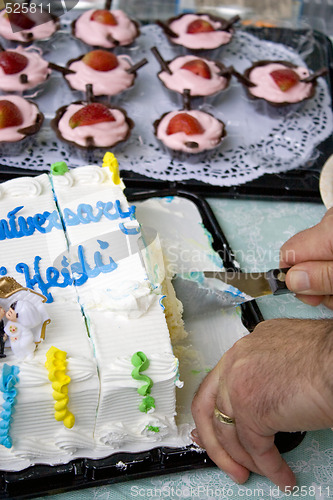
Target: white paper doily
255 144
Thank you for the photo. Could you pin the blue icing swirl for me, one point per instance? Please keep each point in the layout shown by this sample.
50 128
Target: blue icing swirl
8 380
103 244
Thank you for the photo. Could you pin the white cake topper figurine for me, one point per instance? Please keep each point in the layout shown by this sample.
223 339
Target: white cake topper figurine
23 319
22 316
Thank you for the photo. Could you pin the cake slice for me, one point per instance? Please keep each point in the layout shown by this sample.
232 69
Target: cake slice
137 369
31 239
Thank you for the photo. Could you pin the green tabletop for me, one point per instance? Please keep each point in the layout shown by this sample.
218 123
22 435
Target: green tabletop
255 231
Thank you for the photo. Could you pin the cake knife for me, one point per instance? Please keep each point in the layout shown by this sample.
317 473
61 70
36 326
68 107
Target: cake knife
254 284
209 291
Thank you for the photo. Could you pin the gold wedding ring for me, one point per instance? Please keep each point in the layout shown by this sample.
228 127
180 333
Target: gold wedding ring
224 419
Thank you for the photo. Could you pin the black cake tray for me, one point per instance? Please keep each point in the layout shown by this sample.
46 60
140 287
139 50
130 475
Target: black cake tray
86 473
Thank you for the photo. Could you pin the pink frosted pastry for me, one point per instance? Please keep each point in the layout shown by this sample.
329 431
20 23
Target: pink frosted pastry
107 72
105 28
190 131
279 82
28 31
90 125
19 118
199 31
22 69
201 76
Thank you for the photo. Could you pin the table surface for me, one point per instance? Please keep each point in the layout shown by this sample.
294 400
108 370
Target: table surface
255 231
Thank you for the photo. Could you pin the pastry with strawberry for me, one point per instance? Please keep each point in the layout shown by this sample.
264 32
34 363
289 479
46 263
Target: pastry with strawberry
25 27
90 125
22 69
108 73
20 120
280 83
199 31
189 131
105 28
202 76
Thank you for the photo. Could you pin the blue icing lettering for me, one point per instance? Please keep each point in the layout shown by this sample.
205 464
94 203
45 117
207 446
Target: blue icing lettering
99 266
54 221
27 227
129 231
103 244
64 261
106 210
70 218
52 276
123 215
13 228
3 271
86 215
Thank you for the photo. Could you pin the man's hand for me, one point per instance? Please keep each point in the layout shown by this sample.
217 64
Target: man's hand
310 254
277 378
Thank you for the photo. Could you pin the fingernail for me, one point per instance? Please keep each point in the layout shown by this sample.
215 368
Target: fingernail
299 281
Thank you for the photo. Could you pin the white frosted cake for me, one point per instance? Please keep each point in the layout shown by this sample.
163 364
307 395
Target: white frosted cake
107 333
103 378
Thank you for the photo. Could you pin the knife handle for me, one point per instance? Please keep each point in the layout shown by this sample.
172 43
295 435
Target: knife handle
277 280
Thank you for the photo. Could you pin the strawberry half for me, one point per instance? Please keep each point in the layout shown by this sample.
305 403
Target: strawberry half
100 60
198 67
285 78
90 115
12 62
103 16
10 115
199 26
183 122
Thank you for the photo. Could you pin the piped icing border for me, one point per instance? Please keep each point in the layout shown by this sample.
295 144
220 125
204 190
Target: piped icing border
8 380
141 363
56 365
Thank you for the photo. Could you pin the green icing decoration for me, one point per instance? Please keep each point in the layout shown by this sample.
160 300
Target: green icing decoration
152 428
140 362
59 168
147 404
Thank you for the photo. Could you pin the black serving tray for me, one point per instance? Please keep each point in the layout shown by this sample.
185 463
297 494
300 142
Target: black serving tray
300 184
86 473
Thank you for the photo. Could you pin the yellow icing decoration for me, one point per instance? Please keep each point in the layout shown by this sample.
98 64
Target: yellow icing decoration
111 162
56 364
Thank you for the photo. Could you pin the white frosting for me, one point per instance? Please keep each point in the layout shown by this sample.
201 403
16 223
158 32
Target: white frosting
104 82
102 393
40 32
36 435
37 71
266 88
207 40
105 134
20 187
124 315
209 139
96 34
29 113
181 79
